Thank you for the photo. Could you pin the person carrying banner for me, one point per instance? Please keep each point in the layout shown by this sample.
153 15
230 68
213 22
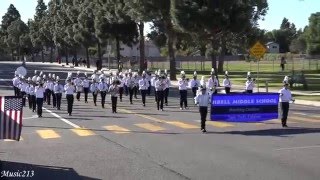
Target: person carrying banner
285 98
203 100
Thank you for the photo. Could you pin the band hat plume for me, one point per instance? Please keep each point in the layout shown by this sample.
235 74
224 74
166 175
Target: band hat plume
195 74
165 71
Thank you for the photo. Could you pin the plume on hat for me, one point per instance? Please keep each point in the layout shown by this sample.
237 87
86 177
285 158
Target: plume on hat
130 71
29 78
195 73
53 76
49 75
182 73
85 74
249 73
78 73
226 73
40 73
35 71
16 73
165 71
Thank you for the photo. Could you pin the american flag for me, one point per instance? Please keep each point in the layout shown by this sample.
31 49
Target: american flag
10 117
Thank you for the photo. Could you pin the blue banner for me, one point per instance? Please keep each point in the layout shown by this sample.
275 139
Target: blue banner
244 107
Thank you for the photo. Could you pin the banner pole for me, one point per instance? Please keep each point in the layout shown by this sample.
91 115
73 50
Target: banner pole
258 73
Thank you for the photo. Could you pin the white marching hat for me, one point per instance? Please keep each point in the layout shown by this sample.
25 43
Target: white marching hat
195 73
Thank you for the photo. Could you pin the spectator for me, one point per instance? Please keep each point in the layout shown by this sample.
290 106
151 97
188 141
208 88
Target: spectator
282 62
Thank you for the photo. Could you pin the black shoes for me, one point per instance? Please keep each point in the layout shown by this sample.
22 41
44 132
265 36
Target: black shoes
204 130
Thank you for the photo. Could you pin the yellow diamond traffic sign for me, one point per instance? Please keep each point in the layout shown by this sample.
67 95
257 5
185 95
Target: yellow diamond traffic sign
258 50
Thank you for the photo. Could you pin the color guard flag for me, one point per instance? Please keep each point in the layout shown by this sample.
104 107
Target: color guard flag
10 117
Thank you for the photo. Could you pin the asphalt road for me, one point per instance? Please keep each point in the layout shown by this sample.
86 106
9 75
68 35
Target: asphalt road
143 143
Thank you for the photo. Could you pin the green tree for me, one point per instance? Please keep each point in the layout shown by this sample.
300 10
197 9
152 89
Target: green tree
16 39
313 34
11 15
216 20
38 39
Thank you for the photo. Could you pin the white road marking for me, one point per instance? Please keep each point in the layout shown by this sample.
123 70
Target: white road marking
32 117
303 114
61 118
302 147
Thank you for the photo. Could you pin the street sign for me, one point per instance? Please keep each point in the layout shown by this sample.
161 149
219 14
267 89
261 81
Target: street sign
258 50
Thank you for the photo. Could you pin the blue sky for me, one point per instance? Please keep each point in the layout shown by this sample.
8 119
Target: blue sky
297 11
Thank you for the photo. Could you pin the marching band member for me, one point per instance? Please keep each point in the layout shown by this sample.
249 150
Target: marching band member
143 87
159 87
130 83
227 83
183 85
167 87
15 83
49 89
153 84
54 99
78 83
203 100
213 82
103 87
95 76
69 90
58 90
114 90
39 91
136 85
286 80
95 90
149 77
125 85
31 95
194 84
86 87
249 83
121 86
23 90
34 78
44 78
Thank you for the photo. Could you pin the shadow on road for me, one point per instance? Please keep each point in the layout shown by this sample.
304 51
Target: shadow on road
40 172
283 132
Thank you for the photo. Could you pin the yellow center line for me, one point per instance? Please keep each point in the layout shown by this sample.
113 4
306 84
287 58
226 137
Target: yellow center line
117 129
48 134
83 132
150 127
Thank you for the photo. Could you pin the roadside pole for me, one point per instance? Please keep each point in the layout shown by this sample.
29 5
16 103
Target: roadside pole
258 74
258 50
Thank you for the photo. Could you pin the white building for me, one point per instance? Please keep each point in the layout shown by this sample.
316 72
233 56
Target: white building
151 50
273 47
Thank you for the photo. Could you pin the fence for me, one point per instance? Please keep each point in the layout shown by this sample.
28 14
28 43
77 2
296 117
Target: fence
270 63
